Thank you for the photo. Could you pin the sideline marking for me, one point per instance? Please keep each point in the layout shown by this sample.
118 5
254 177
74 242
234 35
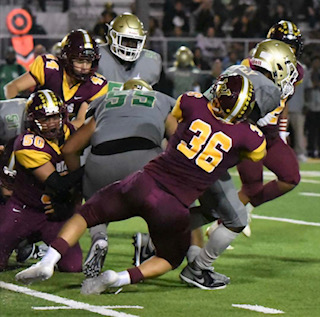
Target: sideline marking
297 222
258 308
71 304
68 307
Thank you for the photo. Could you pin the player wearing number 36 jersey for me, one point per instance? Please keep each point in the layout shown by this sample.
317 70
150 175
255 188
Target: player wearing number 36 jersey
209 139
202 148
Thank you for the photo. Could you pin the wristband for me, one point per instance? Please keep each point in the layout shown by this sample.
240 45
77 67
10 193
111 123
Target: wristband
283 123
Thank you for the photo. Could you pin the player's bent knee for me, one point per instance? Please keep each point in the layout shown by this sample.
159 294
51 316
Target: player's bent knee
71 267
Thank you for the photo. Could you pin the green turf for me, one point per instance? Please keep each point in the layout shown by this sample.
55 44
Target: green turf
278 267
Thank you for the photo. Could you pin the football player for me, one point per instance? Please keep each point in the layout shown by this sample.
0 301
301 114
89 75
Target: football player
274 125
11 125
41 199
272 80
122 58
212 136
72 75
273 72
125 133
183 75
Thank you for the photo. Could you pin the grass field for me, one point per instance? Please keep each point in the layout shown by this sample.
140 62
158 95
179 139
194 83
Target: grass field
277 268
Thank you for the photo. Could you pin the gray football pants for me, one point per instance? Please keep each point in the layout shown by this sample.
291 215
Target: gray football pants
220 201
102 170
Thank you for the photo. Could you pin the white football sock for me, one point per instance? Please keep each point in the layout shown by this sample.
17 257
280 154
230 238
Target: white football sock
52 257
219 240
123 279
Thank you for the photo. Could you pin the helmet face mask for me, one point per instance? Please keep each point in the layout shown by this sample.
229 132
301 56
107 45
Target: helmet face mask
78 45
279 60
234 98
45 114
50 126
126 37
288 32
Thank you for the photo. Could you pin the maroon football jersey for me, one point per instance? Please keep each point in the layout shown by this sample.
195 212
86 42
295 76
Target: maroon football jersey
49 74
31 152
202 148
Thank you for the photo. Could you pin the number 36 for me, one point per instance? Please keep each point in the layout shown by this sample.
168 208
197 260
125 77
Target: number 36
210 156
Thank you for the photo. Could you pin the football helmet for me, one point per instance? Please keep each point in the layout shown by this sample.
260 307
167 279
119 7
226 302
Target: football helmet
42 105
289 33
56 49
79 44
183 57
279 60
233 98
126 37
136 84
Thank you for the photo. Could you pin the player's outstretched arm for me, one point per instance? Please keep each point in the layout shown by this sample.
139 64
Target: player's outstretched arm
23 82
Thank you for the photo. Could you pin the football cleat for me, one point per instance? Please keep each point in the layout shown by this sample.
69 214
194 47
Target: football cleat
205 279
97 285
247 230
93 264
26 251
143 248
37 272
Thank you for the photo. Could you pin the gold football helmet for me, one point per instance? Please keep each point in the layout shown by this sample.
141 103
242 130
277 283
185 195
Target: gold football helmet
279 60
126 37
136 84
56 49
183 57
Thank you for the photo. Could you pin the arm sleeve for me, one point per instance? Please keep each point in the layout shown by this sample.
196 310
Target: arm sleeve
58 184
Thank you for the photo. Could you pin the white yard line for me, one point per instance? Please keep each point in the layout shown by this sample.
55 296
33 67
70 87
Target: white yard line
309 194
297 222
70 304
258 308
68 307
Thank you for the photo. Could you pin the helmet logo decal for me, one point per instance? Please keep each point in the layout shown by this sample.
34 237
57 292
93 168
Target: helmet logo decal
222 88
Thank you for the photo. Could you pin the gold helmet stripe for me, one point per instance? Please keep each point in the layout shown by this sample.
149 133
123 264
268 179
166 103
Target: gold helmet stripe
87 39
241 101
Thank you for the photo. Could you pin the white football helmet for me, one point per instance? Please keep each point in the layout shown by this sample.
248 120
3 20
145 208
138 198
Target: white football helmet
126 37
279 59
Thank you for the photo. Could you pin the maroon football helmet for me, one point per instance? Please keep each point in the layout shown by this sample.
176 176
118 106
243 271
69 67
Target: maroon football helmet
289 33
46 114
79 44
233 98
